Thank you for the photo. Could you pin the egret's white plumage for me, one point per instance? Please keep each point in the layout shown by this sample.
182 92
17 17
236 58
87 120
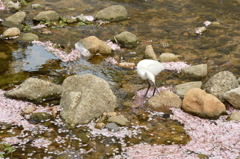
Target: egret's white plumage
147 69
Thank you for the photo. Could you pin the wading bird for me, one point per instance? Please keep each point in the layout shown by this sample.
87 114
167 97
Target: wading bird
147 69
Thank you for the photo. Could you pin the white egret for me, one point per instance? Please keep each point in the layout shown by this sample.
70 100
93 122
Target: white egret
147 69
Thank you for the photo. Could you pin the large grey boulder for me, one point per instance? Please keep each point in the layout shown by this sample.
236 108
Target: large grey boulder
36 90
220 83
95 45
112 13
127 39
85 97
47 16
17 18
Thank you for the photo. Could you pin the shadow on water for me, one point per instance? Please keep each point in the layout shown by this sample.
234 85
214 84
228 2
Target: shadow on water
165 24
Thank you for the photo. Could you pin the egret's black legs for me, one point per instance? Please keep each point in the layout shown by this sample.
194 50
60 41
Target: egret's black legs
147 89
155 88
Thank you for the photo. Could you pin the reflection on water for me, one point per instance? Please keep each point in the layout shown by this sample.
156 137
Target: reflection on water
165 24
32 58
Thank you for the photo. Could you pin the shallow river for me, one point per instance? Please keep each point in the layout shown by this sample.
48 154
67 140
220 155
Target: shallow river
167 25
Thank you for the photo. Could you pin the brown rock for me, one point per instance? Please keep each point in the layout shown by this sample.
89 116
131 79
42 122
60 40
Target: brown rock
95 45
163 101
11 32
149 53
197 101
235 116
126 64
168 57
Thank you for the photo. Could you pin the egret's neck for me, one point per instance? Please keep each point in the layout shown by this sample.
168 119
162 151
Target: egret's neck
150 76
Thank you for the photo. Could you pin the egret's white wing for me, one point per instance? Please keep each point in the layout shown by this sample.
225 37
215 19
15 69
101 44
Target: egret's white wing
155 68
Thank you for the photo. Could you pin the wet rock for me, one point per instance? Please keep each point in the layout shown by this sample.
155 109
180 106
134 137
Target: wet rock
65 156
85 97
220 83
3 55
238 80
12 25
197 101
163 101
36 90
81 18
112 127
80 48
47 16
13 6
235 116
215 25
233 97
69 19
126 64
197 70
131 88
149 53
181 89
127 39
40 117
200 30
168 57
95 45
36 5
112 13
29 109
28 37
120 120
11 32
17 18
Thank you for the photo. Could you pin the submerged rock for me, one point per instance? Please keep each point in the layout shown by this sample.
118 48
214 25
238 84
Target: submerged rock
112 13
36 90
40 117
47 16
28 37
127 39
220 83
36 5
112 127
197 101
85 97
120 120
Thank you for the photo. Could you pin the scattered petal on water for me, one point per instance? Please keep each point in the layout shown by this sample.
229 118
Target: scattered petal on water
65 57
177 66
